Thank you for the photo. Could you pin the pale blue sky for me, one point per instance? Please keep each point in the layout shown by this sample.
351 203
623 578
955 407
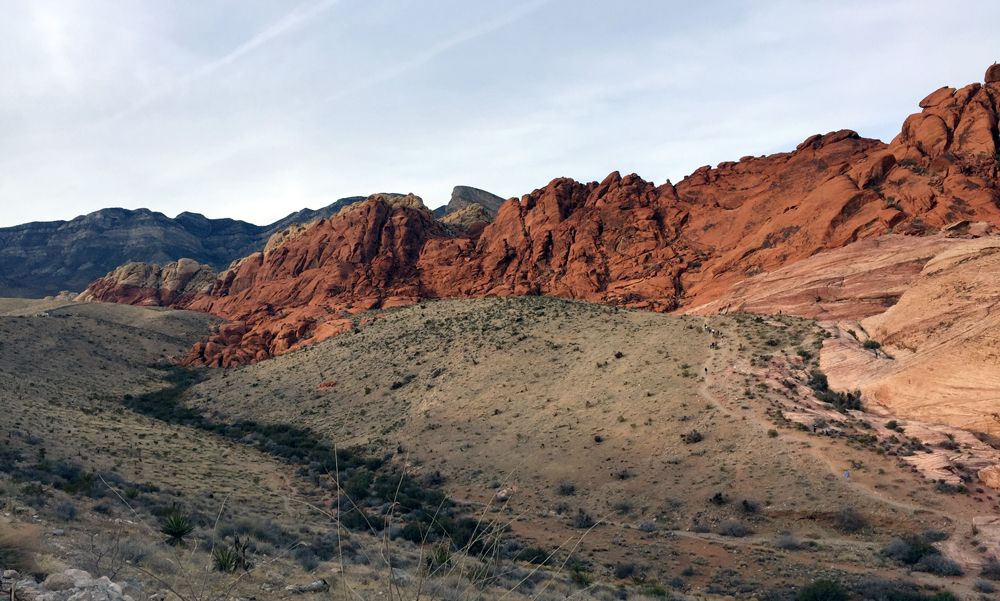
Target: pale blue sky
253 109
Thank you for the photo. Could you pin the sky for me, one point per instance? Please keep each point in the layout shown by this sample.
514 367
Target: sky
253 109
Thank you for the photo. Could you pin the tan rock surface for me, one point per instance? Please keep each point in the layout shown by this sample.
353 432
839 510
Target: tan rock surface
278 238
464 218
850 283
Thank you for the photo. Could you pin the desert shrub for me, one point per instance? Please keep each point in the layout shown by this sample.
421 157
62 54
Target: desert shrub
18 547
842 401
415 532
358 484
733 528
938 564
566 489
535 555
945 487
676 582
936 535
787 541
305 557
561 507
688 571
692 437
872 344
750 506
104 506
909 549
984 586
718 499
582 519
873 587
850 520
623 474
176 527
34 494
435 478
823 590
67 510
648 526
654 589
624 506
624 570
991 569
135 550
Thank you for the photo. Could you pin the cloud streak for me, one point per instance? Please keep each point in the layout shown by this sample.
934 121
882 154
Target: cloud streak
428 55
284 26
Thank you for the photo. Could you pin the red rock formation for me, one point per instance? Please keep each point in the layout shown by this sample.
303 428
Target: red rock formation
623 241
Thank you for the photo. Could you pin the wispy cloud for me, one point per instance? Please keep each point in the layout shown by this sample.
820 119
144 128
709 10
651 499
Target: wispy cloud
287 24
422 58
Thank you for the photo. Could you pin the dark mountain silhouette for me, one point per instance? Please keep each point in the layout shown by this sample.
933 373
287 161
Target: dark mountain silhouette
43 258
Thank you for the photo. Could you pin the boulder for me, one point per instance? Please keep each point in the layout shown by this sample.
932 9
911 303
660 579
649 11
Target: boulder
993 74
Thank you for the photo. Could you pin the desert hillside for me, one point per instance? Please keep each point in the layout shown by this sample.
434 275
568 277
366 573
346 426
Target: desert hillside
638 450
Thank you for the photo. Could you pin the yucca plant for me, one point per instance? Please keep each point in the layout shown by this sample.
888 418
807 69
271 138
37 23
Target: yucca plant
176 527
224 559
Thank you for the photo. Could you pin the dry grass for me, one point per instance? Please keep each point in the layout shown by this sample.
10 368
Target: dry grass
512 396
19 545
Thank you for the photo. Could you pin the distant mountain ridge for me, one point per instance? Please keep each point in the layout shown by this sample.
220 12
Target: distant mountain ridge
464 196
43 258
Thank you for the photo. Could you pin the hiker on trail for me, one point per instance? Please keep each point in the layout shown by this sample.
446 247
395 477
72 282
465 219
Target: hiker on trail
847 474
706 371
876 353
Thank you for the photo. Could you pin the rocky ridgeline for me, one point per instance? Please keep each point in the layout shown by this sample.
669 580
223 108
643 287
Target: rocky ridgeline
71 585
623 241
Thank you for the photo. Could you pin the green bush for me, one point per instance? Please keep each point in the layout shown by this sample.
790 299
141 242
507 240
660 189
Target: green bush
909 549
224 559
176 527
823 590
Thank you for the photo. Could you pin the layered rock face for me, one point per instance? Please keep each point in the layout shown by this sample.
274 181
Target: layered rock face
149 285
624 240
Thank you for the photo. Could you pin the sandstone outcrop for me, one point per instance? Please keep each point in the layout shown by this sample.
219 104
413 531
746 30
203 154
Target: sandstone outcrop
149 285
629 242
851 283
465 218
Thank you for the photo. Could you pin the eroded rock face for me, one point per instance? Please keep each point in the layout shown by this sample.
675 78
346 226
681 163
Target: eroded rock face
930 301
465 218
150 285
465 196
851 283
624 240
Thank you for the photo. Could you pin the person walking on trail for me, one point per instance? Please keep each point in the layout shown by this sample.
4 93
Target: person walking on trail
847 474
706 371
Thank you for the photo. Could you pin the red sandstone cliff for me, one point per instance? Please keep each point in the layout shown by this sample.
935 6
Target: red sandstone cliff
623 240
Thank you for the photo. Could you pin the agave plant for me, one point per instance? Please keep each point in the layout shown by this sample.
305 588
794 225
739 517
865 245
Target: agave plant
176 527
224 559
